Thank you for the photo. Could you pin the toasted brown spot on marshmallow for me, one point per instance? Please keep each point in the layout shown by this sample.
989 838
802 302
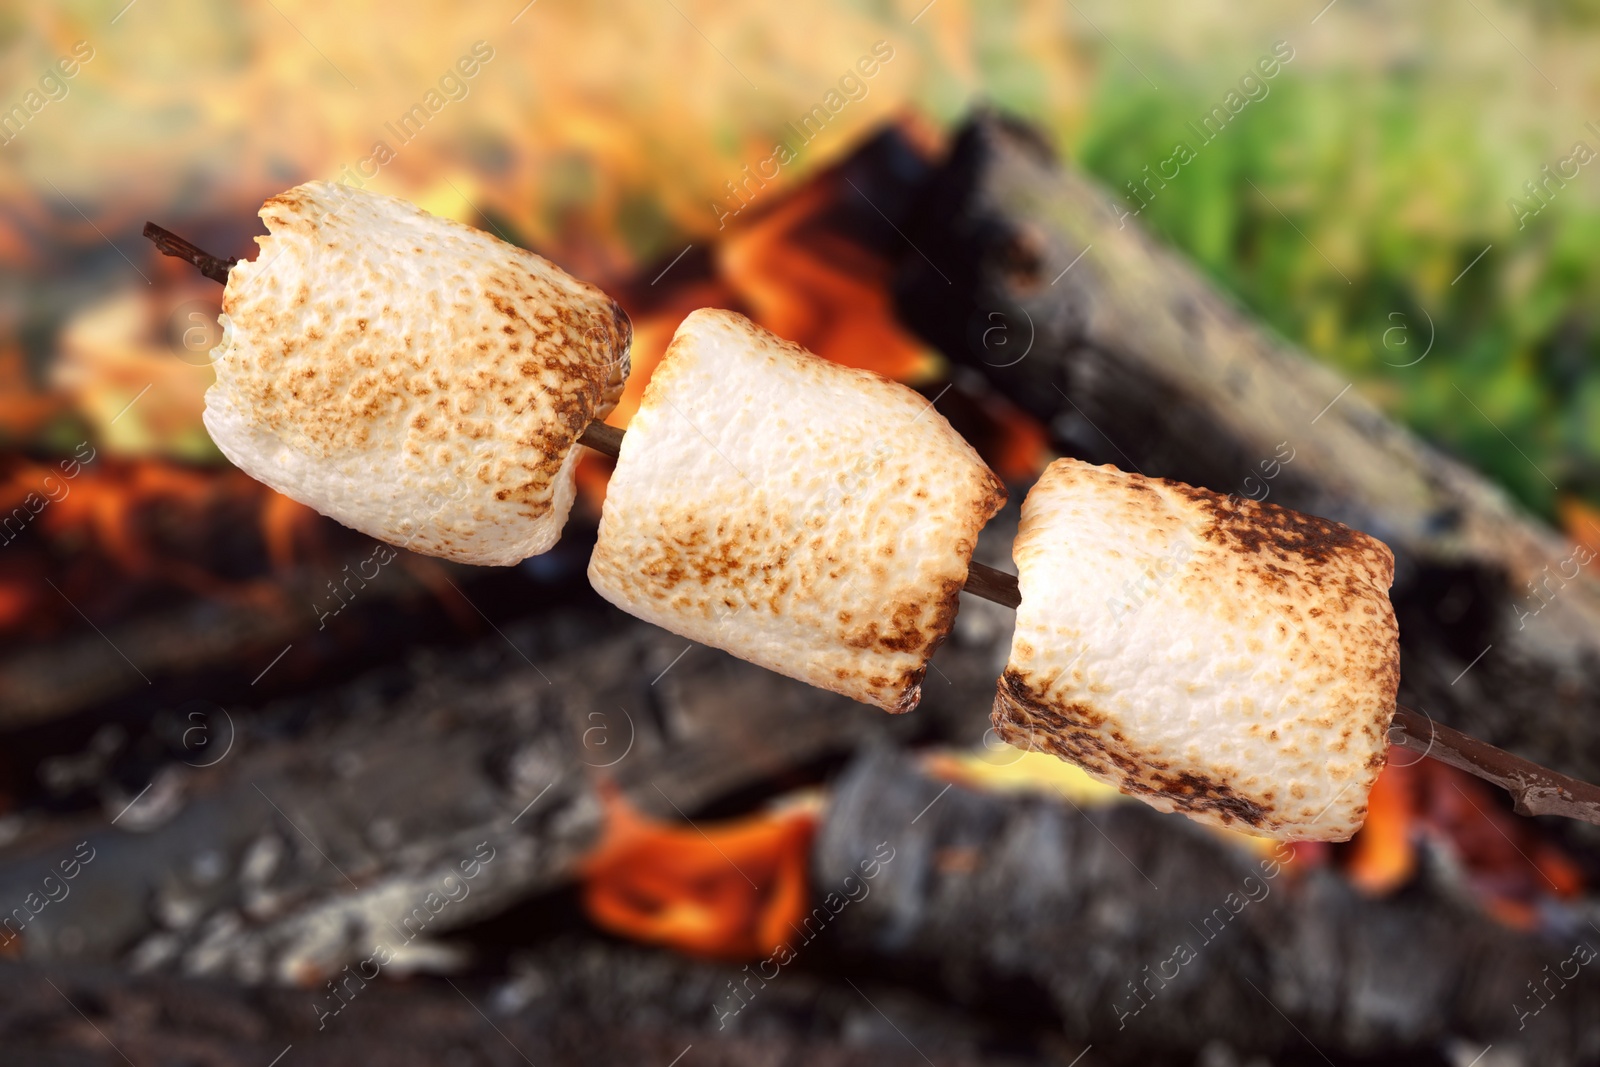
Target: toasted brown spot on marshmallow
803 520
1156 615
359 409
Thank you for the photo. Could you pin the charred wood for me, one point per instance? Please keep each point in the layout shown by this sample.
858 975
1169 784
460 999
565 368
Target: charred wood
1134 358
1150 935
577 1002
336 815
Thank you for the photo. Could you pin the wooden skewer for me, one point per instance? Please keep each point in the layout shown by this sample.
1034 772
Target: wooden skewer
1534 790
171 244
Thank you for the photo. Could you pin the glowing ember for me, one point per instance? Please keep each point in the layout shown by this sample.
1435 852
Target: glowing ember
1581 522
1384 851
793 270
821 291
1501 857
727 890
117 523
1003 768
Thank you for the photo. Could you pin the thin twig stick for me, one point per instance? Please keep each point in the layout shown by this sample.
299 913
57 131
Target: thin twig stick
603 438
173 245
1534 790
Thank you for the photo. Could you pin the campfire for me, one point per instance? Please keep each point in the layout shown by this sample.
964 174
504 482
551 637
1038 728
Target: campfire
733 891
308 742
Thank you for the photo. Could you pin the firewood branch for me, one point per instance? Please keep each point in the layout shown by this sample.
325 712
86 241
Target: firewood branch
1534 790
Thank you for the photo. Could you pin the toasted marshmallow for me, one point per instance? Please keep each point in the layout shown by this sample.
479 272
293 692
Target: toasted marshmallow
412 377
1230 660
808 517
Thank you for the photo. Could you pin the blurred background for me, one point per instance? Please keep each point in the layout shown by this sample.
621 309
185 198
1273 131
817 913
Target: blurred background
272 774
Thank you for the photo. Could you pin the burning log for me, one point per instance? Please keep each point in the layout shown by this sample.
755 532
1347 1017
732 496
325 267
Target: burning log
731 890
1152 937
573 1002
1134 358
1536 790
191 573
390 774
325 821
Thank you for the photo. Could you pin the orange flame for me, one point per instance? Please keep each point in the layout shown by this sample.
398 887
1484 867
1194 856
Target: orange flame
819 289
1384 852
1511 869
1581 522
117 522
823 290
791 269
728 890
109 504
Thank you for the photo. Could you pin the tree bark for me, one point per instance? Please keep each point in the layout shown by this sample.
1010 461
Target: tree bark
1002 898
1134 358
324 820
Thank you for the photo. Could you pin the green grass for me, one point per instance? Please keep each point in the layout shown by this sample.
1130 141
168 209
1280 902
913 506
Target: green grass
1400 185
